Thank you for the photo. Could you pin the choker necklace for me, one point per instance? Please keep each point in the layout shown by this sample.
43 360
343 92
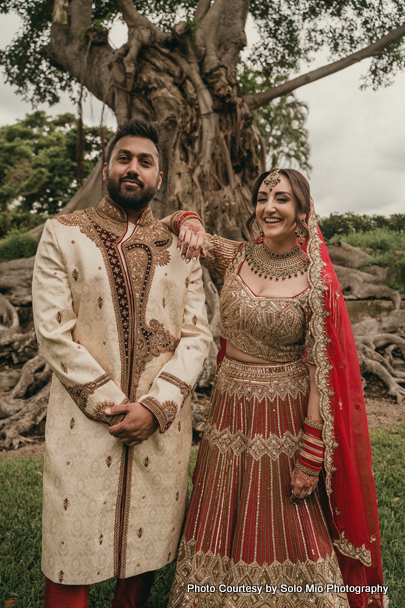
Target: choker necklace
267 263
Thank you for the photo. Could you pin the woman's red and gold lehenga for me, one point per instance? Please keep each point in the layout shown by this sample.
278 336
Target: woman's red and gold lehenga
244 543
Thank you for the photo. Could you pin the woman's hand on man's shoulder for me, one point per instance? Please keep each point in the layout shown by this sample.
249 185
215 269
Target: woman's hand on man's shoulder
191 240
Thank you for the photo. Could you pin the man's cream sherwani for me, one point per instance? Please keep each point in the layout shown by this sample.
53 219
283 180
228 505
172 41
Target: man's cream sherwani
118 315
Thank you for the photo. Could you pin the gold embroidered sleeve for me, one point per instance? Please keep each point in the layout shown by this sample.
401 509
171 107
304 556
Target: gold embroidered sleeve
220 253
174 383
80 374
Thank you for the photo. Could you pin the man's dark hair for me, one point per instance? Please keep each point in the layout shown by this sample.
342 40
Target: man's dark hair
137 127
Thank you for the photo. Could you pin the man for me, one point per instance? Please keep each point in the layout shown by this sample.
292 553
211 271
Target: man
121 320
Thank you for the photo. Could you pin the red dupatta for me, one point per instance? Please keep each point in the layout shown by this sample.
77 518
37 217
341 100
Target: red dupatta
351 507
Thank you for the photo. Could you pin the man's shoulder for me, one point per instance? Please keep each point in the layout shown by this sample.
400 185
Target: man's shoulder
76 218
157 231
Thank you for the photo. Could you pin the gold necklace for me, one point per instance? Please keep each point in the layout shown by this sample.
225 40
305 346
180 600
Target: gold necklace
264 262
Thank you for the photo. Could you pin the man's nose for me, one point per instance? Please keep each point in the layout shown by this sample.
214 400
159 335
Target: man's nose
133 166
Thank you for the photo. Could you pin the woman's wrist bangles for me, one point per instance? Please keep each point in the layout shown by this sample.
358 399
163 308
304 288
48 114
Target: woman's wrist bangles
311 455
179 217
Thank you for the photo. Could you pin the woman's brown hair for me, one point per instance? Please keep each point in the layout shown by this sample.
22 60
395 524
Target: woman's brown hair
301 191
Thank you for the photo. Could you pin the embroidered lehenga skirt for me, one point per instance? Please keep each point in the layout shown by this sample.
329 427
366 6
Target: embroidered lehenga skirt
242 533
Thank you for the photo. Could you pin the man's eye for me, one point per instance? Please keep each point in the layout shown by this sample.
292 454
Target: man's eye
123 158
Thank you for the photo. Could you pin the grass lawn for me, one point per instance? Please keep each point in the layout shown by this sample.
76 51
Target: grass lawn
20 527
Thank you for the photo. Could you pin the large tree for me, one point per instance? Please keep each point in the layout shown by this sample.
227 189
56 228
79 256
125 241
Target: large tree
181 67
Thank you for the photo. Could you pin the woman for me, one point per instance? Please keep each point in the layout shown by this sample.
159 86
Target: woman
286 404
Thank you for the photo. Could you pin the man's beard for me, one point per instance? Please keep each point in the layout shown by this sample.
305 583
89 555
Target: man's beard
130 200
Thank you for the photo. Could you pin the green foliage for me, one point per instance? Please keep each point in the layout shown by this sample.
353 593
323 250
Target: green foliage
26 68
192 25
339 224
290 32
281 124
388 446
379 240
20 526
20 531
19 222
38 166
16 246
382 236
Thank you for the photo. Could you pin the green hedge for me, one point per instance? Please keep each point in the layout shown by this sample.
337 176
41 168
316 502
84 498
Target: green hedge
339 224
17 246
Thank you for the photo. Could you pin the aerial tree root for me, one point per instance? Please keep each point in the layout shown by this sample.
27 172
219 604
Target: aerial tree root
33 412
34 375
382 365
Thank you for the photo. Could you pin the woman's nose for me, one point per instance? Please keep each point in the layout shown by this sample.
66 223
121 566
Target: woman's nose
270 204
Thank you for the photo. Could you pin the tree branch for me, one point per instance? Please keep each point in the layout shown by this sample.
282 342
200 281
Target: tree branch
80 12
208 117
60 12
261 99
202 9
133 19
223 33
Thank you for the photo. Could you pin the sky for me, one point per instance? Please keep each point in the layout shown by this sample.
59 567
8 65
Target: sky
357 138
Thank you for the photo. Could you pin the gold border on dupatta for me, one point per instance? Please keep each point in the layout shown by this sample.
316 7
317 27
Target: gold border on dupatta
323 367
318 328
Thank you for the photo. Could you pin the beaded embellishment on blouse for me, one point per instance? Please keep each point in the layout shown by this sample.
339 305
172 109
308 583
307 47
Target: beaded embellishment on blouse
272 328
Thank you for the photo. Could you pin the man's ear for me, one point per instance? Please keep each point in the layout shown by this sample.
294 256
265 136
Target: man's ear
160 179
105 167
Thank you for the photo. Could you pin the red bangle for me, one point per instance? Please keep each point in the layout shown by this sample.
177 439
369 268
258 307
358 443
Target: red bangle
180 217
312 452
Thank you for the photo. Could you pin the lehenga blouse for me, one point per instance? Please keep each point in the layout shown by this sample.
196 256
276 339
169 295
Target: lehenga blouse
271 328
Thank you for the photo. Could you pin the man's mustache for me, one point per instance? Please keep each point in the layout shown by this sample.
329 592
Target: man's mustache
130 178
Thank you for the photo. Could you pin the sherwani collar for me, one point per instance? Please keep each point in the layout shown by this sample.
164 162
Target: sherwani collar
111 210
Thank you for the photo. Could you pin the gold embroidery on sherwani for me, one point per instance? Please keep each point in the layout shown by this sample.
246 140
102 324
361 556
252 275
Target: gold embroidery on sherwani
81 392
185 389
166 412
146 249
125 518
198 568
100 487
117 519
156 408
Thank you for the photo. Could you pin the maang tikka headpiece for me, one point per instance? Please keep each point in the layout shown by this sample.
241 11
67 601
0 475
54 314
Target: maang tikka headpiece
272 180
